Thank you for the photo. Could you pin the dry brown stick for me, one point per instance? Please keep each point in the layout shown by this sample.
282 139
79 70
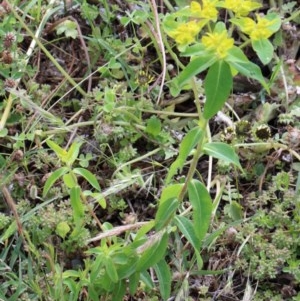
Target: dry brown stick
11 204
162 49
117 231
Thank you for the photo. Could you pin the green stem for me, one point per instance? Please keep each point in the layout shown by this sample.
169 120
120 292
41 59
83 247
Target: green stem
147 155
170 113
169 5
246 43
194 162
172 53
196 96
292 17
269 145
6 112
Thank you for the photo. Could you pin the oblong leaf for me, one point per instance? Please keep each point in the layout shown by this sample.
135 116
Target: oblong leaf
170 191
163 274
217 86
143 230
134 280
60 152
69 180
88 176
235 211
53 178
237 59
196 66
264 49
111 269
186 146
153 254
202 207
119 291
165 212
186 227
77 206
72 153
223 152
146 278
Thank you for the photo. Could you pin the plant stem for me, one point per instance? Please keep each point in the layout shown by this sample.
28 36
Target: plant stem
194 162
269 145
6 112
162 49
169 5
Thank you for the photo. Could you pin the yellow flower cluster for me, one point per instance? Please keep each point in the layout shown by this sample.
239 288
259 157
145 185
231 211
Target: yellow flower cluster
218 43
241 7
185 33
207 10
257 30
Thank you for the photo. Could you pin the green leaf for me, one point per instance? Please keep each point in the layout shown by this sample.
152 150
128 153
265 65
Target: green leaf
186 227
171 191
153 126
235 211
163 274
165 212
127 270
69 28
187 144
88 176
3 132
77 206
109 99
100 199
217 85
62 229
202 207
60 152
199 260
119 291
146 278
153 254
209 240
134 280
276 21
237 59
264 49
53 178
196 66
72 153
197 49
111 269
96 267
143 230
69 180
70 273
223 152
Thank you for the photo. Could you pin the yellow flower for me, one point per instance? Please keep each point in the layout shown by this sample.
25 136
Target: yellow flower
185 33
207 10
262 31
241 7
247 25
218 42
256 30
